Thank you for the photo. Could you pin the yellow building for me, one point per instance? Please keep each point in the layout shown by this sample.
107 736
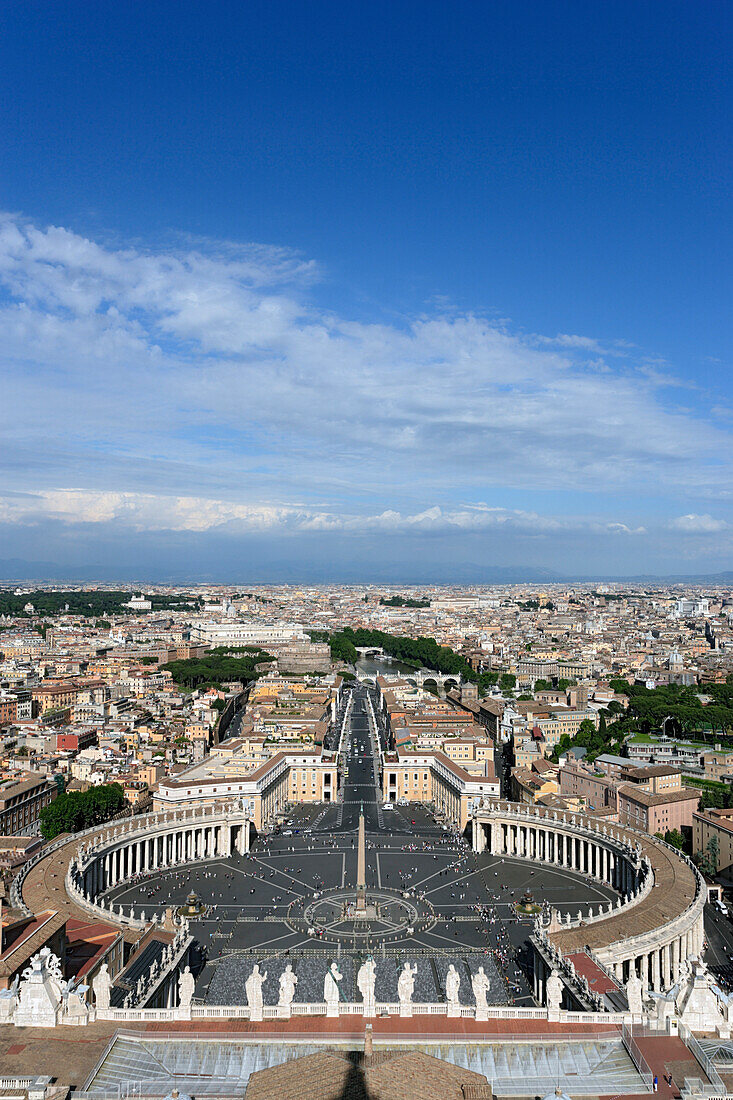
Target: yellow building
716 823
432 777
301 775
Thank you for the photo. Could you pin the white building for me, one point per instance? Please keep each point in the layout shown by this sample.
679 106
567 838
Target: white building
241 633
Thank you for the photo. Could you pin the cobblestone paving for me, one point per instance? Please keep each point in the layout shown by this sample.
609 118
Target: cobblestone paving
248 899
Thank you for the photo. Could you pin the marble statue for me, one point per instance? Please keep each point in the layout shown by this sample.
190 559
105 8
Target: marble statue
9 1001
288 982
366 980
186 986
635 994
331 989
253 989
554 991
41 992
102 986
75 1008
452 987
481 985
406 988
700 1003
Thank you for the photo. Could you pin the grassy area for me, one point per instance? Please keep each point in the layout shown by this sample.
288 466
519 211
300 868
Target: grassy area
710 784
648 739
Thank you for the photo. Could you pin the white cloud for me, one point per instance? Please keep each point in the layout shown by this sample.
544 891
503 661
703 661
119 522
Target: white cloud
150 512
198 369
695 524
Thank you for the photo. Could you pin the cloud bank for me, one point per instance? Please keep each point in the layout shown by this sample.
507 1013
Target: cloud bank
203 385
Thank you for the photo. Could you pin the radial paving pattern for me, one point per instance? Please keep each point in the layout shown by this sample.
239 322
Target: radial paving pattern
292 898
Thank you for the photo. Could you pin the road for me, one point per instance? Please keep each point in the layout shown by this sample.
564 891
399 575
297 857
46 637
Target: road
259 902
719 954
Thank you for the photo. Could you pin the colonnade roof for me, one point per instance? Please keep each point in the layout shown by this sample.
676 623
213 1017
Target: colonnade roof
44 886
674 889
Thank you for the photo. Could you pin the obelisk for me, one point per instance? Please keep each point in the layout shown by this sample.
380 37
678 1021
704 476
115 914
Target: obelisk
361 865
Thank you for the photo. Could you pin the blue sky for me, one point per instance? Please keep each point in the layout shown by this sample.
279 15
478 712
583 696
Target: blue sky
318 285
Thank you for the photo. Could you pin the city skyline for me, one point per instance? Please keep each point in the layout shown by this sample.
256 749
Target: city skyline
353 295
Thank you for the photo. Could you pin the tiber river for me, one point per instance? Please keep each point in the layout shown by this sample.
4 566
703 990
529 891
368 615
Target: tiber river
382 666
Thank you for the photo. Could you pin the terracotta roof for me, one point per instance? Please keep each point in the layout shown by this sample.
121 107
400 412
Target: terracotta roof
673 891
36 934
646 798
384 1076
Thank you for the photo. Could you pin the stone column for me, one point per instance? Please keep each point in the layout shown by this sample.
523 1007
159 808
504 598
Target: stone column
666 976
644 970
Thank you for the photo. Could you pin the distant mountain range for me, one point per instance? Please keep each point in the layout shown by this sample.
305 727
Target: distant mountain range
288 572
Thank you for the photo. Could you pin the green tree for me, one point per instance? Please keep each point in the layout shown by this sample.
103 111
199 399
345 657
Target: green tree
707 861
675 838
76 810
713 849
507 681
216 668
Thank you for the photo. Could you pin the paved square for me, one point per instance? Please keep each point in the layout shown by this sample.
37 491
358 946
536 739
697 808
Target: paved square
434 901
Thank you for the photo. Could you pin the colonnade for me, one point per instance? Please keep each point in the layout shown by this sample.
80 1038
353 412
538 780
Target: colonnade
144 845
185 843
659 966
544 841
613 856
